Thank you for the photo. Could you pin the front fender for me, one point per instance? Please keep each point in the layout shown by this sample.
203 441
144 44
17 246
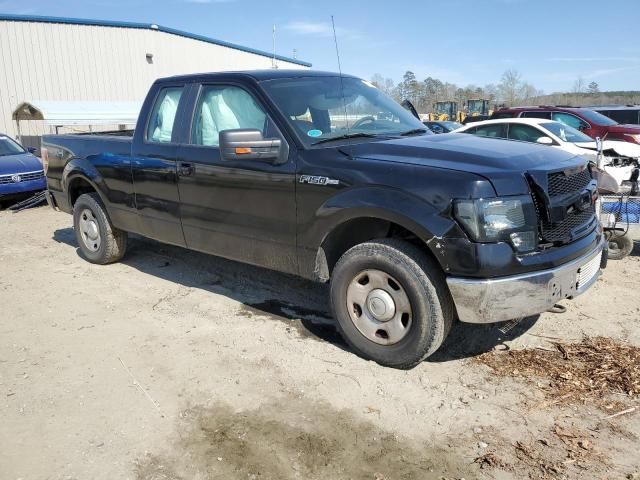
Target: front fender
427 221
397 206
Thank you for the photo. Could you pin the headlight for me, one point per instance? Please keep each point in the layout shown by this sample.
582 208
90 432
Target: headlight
509 219
634 136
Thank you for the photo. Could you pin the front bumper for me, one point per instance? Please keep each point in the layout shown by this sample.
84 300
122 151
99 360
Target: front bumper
506 298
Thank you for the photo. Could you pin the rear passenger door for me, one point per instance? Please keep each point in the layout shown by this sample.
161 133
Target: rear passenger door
239 209
155 179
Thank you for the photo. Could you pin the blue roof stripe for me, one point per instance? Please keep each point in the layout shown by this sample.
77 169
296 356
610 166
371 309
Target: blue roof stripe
146 26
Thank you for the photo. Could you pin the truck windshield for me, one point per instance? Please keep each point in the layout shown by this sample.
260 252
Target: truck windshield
322 108
567 133
9 147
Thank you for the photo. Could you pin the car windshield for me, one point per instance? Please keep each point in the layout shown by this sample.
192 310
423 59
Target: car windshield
597 118
323 108
567 133
9 147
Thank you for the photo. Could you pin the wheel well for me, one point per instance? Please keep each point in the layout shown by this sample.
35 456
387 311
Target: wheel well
77 187
356 231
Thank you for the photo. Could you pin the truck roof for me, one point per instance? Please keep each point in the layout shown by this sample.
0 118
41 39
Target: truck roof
257 75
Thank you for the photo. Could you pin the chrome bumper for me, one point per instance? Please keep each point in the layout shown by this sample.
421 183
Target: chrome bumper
508 298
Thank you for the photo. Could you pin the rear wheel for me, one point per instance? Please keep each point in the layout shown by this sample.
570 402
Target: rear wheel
619 246
99 241
391 302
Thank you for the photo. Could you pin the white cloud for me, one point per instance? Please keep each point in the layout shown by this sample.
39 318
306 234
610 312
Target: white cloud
594 59
603 72
320 29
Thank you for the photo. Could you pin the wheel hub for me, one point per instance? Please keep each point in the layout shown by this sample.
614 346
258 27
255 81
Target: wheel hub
89 230
381 305
92 230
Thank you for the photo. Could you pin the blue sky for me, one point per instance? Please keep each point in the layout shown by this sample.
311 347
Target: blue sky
462 41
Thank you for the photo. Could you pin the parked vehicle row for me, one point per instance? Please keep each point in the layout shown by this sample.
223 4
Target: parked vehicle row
562 136
592 123
413 230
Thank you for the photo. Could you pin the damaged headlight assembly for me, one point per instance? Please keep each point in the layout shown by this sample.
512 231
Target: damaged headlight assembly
506 219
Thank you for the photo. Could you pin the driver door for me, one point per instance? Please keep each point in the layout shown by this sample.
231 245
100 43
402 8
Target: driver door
239 209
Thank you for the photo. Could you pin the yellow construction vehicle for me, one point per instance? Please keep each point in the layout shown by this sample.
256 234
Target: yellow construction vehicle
443 111
474 110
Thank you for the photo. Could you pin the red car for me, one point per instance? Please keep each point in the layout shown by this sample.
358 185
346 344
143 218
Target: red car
588 121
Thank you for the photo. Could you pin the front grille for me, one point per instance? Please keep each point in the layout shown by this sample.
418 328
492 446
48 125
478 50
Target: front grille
575 224
24 177
560 184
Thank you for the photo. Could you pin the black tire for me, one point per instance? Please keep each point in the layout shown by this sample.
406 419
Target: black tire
113 242
619 246
424 284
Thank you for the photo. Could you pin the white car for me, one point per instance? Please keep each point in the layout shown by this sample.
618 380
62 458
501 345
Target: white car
620 157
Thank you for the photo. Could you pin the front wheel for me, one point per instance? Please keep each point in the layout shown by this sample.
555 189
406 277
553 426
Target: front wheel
100 242
391 302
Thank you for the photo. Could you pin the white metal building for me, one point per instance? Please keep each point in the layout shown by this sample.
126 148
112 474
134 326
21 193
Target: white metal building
44 59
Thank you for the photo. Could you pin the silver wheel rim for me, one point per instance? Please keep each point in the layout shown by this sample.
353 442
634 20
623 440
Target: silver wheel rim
89 230
379 307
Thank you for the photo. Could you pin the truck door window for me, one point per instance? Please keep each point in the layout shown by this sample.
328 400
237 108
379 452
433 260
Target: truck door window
163 115
222 107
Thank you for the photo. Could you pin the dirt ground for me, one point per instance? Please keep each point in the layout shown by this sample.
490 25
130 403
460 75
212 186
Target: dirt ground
177 365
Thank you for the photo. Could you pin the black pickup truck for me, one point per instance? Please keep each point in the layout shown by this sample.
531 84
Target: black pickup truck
325 177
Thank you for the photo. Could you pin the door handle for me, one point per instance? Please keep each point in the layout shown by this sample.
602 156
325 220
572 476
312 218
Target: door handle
185 169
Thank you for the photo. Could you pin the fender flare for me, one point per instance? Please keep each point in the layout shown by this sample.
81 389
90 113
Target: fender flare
78 168
396 206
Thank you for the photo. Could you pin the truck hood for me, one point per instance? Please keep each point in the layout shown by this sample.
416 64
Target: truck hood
20 163
503 162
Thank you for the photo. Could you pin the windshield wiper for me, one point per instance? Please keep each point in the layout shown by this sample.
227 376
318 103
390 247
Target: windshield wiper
345 136
415 131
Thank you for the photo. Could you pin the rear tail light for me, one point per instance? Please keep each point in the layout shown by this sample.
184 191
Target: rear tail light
44 155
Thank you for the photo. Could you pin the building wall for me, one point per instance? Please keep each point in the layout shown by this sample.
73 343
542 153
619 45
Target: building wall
55 61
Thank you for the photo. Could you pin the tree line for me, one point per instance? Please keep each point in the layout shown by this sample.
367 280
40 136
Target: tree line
511 90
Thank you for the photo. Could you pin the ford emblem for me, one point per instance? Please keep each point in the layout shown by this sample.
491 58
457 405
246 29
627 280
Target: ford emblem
16 178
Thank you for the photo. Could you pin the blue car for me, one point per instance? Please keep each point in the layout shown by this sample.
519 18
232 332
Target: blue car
20 171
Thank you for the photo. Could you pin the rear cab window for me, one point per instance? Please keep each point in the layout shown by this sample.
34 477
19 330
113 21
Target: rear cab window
163 115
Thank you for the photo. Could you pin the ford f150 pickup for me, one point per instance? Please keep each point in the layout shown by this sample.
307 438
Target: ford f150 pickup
323 176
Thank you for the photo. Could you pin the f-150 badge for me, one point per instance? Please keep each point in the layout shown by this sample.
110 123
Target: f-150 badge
316 180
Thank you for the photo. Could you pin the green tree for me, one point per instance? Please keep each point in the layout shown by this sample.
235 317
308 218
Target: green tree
593 87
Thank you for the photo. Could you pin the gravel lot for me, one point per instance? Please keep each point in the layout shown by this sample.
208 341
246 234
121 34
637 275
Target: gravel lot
177 365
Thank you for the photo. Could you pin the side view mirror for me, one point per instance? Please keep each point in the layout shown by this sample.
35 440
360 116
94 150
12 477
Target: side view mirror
32 149
544 141
248 144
